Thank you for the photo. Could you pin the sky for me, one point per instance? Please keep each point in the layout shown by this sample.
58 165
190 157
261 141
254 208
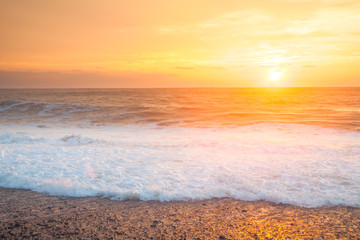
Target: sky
187 43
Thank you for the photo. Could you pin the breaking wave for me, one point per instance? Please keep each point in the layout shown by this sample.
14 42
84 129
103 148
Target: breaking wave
288 163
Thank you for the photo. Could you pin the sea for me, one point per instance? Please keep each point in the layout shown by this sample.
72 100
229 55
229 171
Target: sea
297 146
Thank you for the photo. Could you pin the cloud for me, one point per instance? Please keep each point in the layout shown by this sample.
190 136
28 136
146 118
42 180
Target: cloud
150 42
213 67
184 68
81 79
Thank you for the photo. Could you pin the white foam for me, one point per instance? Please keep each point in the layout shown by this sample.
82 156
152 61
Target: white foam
297 164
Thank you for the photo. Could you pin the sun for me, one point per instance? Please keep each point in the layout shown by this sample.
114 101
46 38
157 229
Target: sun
275 75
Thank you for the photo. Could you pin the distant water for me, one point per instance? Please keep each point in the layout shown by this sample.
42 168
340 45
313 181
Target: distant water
327 107
291 145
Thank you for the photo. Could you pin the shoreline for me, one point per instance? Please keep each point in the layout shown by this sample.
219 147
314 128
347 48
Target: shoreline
28 214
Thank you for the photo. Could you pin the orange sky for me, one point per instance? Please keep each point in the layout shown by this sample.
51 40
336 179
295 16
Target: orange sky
187 43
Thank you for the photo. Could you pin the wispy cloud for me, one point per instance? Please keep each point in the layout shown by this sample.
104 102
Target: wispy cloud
184 68
186 38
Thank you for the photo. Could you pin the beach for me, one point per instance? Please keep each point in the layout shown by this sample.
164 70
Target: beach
180 163
27 214
180 119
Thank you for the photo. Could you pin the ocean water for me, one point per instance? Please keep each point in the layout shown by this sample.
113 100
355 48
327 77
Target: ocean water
287 145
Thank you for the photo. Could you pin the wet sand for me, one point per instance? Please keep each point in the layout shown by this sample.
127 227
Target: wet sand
26 214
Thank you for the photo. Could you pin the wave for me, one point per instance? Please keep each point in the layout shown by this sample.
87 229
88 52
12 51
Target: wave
168 113
41 108
289 163
78 114
22 139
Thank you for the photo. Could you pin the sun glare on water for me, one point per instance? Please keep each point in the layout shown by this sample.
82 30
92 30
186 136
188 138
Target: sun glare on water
275 75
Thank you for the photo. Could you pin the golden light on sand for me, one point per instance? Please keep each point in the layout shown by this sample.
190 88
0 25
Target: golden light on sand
275 75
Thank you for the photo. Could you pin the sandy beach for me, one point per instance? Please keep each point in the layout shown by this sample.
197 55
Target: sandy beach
27 214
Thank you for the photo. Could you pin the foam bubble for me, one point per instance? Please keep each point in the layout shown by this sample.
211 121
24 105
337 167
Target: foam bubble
297 164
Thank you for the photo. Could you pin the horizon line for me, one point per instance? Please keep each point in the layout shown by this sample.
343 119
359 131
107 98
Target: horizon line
44 88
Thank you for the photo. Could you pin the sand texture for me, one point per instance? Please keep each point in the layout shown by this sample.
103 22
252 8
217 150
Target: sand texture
29 215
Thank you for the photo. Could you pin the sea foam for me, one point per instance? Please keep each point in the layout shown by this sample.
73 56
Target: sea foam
285 163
